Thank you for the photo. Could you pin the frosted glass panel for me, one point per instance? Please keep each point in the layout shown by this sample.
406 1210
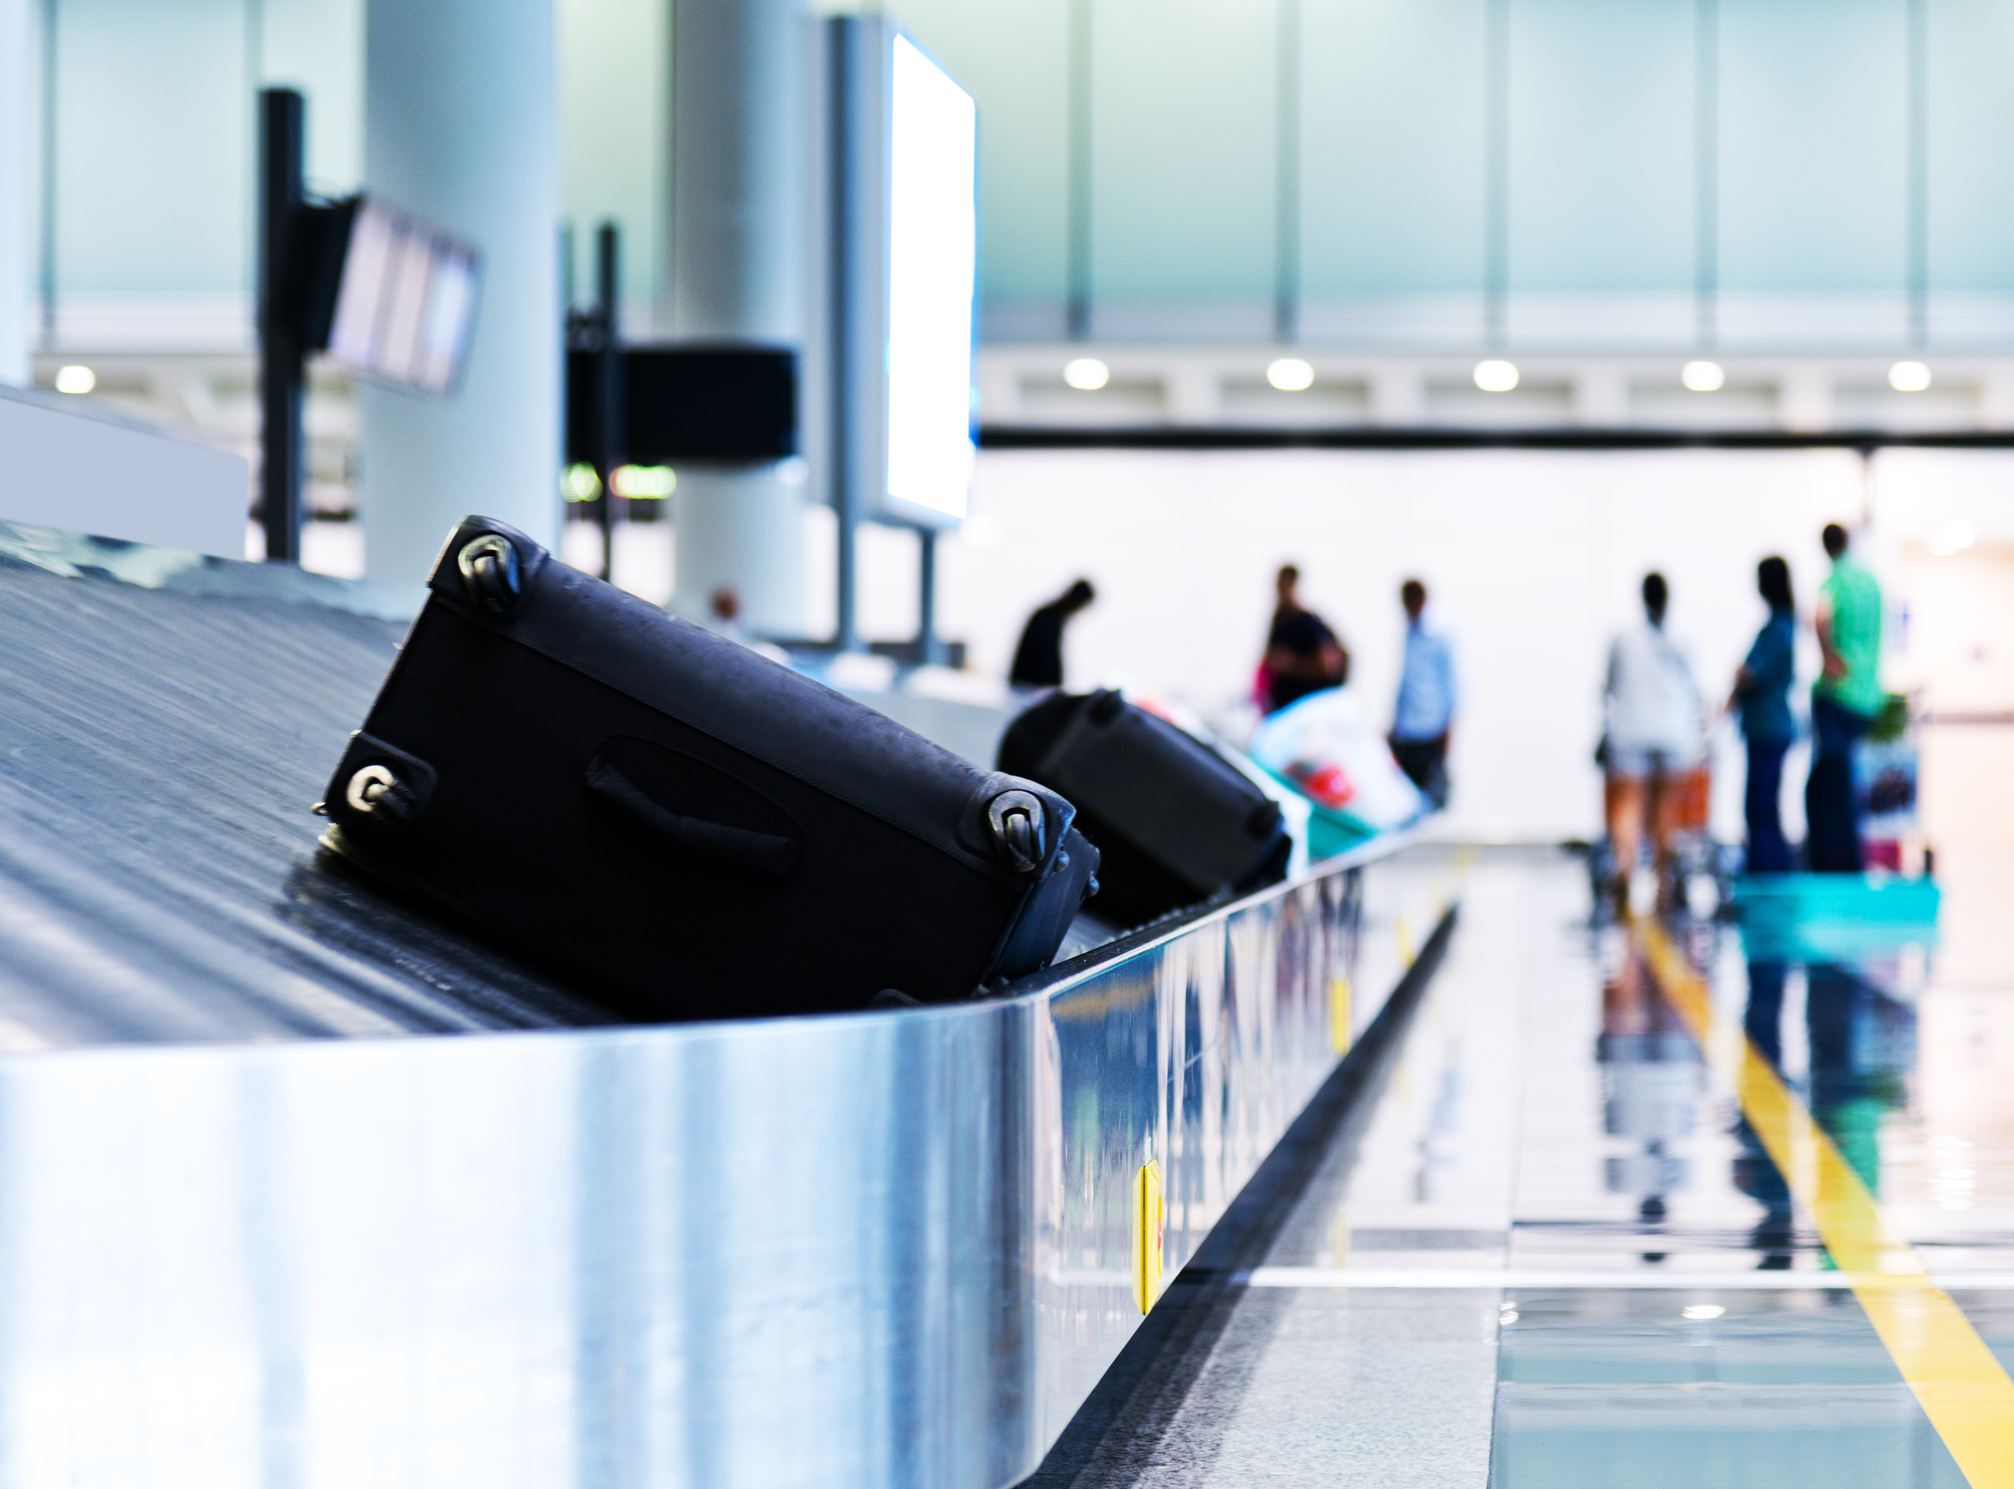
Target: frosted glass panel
1183 125
1392 147
1602 145
153 147
1813 145
1971 163
1014 57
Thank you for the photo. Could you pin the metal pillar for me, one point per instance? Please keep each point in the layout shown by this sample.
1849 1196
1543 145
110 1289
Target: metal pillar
929 650
848 414
282 360
608 366
738 274
20 61
461 126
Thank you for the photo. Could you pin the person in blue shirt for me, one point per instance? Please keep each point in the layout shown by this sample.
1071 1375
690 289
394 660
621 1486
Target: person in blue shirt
1424 717
1762 701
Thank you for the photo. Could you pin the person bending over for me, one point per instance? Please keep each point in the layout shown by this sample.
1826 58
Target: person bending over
1038 660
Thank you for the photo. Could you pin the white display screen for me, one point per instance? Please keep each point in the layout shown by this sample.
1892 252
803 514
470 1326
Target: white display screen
933 258
407 301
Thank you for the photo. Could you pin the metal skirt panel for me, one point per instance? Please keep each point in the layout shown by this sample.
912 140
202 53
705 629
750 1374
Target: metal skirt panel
884 1249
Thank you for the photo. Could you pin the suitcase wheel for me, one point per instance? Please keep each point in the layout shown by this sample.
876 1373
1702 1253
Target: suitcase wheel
1016 819
376 792
491 570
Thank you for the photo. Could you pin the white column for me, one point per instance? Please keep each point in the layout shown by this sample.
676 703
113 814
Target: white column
20 75
461 126
738 272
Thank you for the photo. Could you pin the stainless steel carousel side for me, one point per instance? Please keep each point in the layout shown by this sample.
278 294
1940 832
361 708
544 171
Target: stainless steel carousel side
887 1249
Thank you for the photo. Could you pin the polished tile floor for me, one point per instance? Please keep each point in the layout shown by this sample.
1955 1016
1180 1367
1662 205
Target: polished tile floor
1560 1256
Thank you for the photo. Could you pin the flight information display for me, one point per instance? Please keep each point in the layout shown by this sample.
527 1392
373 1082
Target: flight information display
405 309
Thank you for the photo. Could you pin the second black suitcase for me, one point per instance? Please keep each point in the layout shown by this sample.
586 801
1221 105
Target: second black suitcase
684 827
1174 820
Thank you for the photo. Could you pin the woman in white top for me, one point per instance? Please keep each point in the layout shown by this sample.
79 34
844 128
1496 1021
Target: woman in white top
1655 729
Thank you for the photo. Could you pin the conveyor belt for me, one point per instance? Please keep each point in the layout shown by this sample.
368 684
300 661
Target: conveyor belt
168 722
896 1248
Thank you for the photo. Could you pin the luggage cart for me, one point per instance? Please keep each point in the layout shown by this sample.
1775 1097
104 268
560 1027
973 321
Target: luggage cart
1694 853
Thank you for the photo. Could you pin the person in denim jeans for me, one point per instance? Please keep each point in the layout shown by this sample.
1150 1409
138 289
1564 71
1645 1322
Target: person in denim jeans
1844 703
1762 702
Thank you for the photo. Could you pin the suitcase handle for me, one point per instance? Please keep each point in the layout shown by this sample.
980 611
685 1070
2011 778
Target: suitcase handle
764 852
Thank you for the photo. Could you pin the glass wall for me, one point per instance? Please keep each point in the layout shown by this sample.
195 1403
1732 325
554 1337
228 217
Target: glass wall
1409 174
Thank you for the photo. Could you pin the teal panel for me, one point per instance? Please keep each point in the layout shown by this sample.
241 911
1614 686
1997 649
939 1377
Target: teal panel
1971 217
614 102
1013 57
1392 147
1602 145
1813 145
317 46
153 147
1183 128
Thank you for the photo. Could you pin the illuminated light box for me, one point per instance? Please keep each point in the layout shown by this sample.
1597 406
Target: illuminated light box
932 253
903 217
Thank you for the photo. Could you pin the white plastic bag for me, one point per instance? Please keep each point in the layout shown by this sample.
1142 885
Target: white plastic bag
1323 745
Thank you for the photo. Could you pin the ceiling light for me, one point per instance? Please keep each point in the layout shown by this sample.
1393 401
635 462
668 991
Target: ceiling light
1087 374
1952 537
75 380
580 483
1291 375
1909 377
1496 377
1702 1310
1703 377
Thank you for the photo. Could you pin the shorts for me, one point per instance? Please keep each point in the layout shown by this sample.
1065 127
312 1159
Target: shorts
1637 764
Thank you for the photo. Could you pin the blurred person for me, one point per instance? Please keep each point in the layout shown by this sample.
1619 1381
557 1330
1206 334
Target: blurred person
1653 731
1038 660
1761 701
1303 655
723 614
1844 702
1423 717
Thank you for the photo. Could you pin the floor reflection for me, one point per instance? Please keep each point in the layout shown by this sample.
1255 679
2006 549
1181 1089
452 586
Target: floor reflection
1664 1382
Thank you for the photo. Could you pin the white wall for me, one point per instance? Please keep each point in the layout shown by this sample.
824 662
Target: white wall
1533 560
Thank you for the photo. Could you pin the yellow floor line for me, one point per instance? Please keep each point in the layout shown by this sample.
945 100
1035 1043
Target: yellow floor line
1960 1385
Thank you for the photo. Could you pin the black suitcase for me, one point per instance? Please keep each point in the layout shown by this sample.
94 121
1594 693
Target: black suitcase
683 827
1174 821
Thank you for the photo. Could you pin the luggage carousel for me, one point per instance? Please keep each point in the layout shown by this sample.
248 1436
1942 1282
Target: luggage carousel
299 1185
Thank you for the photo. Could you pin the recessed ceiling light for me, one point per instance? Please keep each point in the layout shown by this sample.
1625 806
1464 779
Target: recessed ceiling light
1703 377
1087 374
1909 377
75 380
1496 377
1291 375
1702 1310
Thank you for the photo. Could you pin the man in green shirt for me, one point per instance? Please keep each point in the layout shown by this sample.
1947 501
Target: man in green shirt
1844 703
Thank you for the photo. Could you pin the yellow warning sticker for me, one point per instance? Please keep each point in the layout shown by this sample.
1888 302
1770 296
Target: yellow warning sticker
1339 1013
1147 1236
